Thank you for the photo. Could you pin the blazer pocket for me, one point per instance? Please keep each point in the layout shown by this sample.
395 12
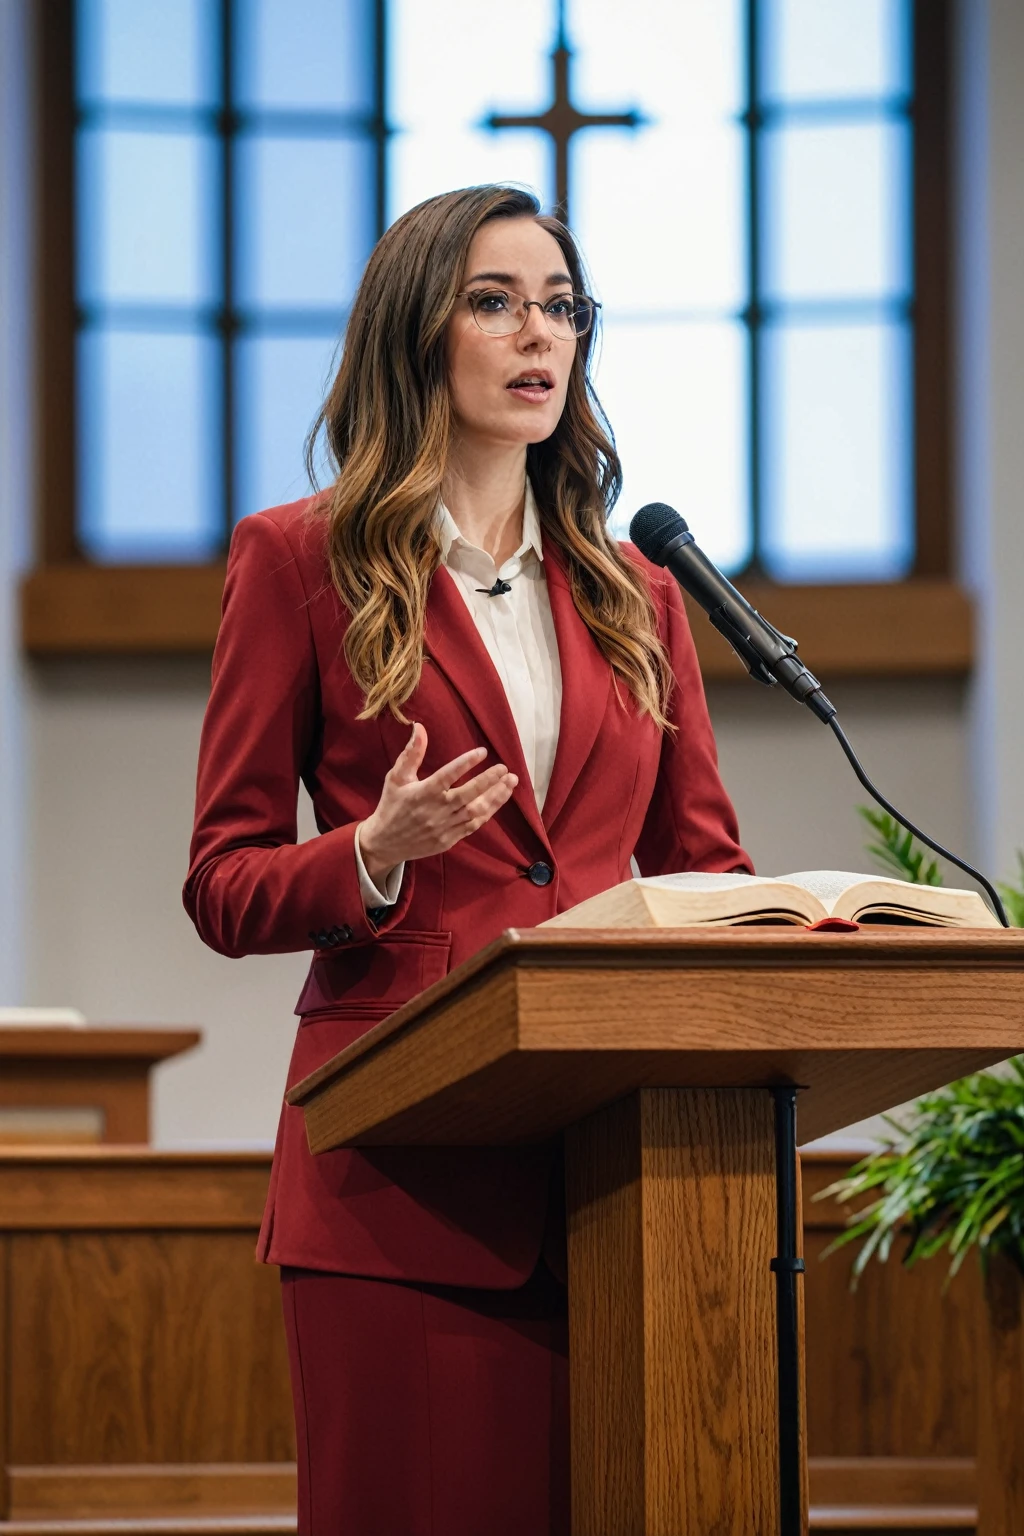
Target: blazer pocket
376 978
324 1033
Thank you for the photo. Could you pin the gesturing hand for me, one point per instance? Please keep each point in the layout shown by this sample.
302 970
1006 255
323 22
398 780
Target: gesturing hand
415 817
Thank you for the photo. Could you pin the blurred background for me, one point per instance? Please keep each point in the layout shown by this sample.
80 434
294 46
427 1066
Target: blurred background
805 222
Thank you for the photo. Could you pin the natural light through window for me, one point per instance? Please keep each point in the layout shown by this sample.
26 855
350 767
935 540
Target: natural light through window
750 240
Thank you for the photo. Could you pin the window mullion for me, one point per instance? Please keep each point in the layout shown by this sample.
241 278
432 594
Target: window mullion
380 130
228 320
753 314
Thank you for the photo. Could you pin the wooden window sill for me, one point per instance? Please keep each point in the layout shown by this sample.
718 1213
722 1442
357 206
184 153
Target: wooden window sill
912 629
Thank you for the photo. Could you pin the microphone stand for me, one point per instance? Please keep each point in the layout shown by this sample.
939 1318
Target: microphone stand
785 667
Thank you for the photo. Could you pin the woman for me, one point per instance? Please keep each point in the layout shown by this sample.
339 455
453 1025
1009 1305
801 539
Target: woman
493 706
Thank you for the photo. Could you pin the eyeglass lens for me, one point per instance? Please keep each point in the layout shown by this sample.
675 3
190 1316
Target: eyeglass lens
501 314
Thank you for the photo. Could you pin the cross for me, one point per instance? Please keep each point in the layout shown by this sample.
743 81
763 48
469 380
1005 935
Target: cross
562 119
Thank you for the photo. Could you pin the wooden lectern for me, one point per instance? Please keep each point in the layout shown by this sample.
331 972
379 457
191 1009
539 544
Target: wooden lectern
648 1050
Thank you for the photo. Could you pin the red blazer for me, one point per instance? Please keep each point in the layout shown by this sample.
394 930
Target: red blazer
284 706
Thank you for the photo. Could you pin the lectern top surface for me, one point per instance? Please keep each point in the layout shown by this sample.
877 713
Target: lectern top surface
542 1026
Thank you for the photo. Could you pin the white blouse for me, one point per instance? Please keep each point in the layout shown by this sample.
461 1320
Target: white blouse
519 633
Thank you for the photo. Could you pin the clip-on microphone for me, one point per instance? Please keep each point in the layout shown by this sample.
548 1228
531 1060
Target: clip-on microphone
498 590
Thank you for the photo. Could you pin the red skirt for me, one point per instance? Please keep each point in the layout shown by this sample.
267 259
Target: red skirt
429 1410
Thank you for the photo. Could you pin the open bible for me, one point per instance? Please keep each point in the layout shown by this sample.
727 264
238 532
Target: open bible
683 900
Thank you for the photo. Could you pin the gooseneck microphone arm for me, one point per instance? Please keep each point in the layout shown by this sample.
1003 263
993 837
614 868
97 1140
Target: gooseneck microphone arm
662 535
923 837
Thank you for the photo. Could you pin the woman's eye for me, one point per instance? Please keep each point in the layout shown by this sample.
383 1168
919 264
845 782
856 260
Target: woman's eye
492 303
560 307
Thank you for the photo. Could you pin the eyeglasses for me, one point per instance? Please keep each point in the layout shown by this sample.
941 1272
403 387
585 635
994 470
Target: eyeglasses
568 316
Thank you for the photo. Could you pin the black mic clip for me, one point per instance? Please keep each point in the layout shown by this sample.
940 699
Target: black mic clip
744 646
498 590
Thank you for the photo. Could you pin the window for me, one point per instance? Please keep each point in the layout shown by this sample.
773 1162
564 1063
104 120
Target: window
227 177
745 177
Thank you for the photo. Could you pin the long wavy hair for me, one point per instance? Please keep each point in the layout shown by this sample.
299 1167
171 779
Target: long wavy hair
389 428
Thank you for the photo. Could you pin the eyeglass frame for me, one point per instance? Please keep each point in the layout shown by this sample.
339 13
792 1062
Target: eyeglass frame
469 293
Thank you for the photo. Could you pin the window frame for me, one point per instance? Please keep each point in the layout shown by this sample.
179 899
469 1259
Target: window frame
919 626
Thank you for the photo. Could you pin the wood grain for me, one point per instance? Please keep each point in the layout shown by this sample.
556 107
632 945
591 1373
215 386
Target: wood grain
145 1347
53 37
671 1227
143 1525
892 1365
892 1520
121 1188
50 1042
801 1323
118 1090
903 629
893 1480
121 610
897 638
544 1027
607 1344
1001 1402
157 1490
143 1365
103 1069
5 1374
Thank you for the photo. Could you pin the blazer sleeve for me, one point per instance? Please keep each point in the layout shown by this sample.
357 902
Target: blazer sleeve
690 823
251 887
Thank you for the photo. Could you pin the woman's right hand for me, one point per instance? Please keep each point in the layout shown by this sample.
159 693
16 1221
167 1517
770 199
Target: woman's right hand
415 817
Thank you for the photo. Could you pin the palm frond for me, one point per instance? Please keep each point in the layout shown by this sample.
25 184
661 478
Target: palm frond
951 1179
1013 895
897 851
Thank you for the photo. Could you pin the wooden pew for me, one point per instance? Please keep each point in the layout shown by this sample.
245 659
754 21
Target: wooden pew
61 1084
143 1375
891 1391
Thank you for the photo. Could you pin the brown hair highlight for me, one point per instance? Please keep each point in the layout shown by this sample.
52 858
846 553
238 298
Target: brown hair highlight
388 427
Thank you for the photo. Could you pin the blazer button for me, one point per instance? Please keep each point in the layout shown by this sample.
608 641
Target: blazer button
540 873
341 935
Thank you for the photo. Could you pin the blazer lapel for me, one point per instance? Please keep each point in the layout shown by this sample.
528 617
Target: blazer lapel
453 641
586 684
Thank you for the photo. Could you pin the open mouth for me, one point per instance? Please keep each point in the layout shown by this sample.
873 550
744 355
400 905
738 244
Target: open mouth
532 384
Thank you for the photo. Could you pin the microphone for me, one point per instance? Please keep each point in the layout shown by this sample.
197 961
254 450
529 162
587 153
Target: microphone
769 656
498 590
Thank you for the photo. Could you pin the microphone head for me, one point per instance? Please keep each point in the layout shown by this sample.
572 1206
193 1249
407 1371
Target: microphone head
653 527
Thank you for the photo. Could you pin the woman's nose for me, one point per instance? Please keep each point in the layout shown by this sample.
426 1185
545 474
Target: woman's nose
535 330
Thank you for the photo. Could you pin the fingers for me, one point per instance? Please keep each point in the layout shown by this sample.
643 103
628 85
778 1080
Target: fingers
409 761
465 793
483 807
443 778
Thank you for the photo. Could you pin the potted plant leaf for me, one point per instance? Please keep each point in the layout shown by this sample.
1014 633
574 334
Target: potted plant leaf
950 1180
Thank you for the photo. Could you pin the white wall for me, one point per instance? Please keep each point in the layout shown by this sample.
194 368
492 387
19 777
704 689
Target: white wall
794 791
107 758
111 754
15 468
991 405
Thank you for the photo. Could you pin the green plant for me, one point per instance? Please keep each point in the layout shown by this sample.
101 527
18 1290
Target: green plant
954 1180
953 1177
1013 895
897 851
899 854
